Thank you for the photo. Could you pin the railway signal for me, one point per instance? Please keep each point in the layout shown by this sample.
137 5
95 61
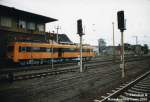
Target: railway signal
80 32
79 27
121 21
121 26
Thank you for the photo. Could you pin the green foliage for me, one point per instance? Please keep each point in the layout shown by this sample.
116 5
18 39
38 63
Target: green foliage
145 49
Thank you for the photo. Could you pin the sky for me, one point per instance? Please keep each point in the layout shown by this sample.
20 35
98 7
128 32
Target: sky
97 17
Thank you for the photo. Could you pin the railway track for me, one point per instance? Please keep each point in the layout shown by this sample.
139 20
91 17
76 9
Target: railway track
135 91
34 67
59 71
73 81
55 88
62 64
87 65
44 74
42 71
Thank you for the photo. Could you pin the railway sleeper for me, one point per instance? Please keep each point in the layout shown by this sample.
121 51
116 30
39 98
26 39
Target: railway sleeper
146 80
133 91
131 99
141 90
142 87
134 95
144 84
43 74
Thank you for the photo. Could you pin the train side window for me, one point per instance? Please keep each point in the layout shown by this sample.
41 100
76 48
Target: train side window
42 49
36 49
78 50
69 50
28 49
22 49
48 50
72 50
83 50
55 49
87 50
64 49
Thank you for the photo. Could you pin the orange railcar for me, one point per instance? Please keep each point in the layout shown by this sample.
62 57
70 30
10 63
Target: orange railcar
39 53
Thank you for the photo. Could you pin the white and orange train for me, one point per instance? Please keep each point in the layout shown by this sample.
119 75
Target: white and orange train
42 53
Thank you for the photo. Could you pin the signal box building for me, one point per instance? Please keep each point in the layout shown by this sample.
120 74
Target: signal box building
22 26
18 21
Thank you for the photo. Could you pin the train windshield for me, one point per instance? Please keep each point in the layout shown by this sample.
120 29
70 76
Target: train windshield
10 48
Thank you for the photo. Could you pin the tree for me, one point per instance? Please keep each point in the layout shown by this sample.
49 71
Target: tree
145 49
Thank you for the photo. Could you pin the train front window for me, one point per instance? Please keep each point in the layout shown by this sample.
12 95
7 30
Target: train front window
10 48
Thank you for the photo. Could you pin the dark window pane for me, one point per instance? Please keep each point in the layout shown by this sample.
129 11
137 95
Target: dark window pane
10 48
28 49
22 49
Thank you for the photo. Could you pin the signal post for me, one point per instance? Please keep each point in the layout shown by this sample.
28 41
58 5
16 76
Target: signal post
121 26
80 32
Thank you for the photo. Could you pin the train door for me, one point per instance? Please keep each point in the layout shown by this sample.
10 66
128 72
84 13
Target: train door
59 52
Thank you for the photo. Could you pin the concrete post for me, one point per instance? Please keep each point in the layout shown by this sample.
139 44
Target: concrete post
122 55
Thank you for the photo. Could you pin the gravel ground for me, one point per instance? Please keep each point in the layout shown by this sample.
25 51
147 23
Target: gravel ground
72 87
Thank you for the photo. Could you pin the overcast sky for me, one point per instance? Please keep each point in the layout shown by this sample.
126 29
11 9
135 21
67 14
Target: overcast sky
97 16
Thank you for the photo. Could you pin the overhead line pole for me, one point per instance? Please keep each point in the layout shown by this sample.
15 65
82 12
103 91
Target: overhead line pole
52 51
52 55
57 28
113 43
136 39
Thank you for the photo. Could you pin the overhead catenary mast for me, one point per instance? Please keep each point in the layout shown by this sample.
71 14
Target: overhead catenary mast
136 39
57 28
113 42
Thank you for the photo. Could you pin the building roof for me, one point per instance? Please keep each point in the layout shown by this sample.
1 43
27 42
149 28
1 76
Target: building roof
20 14
63 38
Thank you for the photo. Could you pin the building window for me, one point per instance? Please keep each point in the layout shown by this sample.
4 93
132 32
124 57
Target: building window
22 24
31 26
5 21
40 27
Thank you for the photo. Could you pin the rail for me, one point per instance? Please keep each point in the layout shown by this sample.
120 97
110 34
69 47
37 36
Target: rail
123 89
